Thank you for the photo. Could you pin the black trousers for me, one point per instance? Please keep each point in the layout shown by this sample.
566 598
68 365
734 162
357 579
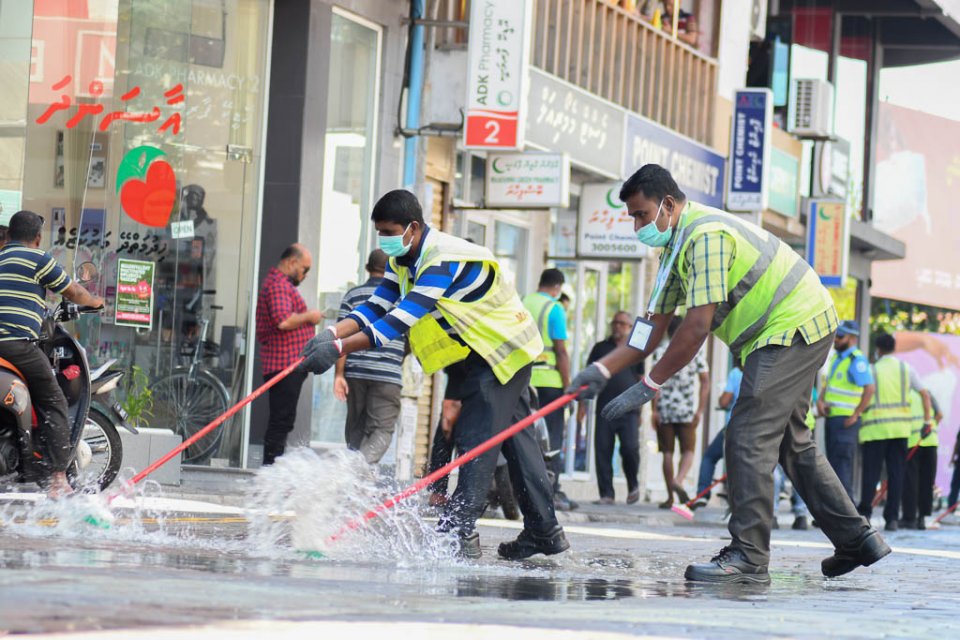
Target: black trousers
918 483
555 424
627 428
47 398
283 398
489 407
769 425
441 453
876 453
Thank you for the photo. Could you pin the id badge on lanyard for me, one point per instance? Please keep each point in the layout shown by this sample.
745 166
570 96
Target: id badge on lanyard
643 327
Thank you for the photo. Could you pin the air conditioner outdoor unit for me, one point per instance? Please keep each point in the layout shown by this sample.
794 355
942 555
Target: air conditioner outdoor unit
811 108
758 21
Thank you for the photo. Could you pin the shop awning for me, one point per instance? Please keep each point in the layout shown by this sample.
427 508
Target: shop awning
873 243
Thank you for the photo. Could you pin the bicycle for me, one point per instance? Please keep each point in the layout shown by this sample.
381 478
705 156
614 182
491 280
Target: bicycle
192 396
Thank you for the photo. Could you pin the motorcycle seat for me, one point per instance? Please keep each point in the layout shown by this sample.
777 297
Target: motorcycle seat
6 364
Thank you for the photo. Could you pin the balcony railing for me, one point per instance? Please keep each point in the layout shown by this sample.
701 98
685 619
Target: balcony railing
602 48
619 56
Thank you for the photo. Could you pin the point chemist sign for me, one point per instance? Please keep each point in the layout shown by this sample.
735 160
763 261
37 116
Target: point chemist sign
497 57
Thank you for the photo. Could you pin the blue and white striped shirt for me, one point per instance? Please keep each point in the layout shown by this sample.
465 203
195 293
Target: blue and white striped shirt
380 365
386 315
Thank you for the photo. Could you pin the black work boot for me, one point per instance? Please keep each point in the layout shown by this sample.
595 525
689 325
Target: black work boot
730 565
469 546
862 551
921 524
529 544
800 523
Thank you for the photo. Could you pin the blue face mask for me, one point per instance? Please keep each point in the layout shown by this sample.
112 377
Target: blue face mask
393 245
651 236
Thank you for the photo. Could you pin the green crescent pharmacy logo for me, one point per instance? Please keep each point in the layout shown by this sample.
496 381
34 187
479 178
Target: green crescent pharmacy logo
495 165
610 201
822 214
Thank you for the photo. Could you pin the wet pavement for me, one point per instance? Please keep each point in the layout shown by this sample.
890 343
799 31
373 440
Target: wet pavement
175 564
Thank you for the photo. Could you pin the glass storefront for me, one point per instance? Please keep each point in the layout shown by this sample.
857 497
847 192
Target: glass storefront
135 128
348 182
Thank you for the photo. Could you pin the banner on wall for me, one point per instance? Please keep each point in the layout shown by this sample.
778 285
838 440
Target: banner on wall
532 180
134 302
917 188
828 240
497 58
562 117
750 137
605 229
697 169
936 357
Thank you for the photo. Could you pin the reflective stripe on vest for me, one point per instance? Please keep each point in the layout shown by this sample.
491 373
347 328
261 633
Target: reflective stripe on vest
497 327
767 276
842 395
916 420
545 373
888 415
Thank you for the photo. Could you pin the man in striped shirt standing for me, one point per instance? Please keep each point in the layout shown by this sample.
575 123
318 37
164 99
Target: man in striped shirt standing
451 298
370 381
26 274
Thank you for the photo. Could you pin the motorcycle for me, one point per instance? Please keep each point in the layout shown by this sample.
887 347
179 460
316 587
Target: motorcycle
93 418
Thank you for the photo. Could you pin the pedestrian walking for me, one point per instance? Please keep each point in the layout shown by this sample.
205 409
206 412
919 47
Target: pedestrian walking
370 381
551 371
766 303
450 296
846 393
921 471
284 326
714 453
677 411
626 428
886 429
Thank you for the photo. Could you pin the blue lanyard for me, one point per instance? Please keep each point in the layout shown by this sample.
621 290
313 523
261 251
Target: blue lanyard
665 266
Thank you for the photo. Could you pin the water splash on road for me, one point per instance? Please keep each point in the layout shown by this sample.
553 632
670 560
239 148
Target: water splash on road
325 492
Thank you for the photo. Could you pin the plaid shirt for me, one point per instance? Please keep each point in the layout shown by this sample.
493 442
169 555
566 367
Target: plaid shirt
708 261
279 300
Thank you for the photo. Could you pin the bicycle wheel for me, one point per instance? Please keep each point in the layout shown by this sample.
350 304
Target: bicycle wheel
187 403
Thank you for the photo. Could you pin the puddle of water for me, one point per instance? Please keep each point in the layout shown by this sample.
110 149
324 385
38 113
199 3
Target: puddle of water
326 491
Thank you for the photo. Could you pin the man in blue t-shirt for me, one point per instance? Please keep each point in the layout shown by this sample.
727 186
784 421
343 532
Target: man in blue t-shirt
26 274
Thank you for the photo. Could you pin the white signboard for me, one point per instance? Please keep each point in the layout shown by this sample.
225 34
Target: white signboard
533 180
605 228
497 73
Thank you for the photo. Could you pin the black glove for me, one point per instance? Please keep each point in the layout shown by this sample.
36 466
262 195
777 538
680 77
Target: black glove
926 430
593 378
323 337
631 399
323 356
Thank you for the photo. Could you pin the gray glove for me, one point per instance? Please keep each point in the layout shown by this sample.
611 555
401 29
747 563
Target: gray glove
323 337
630 400
593 378
323 356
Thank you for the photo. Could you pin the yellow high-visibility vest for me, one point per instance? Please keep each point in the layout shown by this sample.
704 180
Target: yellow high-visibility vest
497 327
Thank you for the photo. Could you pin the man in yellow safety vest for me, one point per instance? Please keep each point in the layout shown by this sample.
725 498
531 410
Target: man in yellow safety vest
759 297
846 393
921 470
551 371
886 429
451 298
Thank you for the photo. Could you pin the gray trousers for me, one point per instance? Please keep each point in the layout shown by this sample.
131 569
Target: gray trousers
768 426
372 411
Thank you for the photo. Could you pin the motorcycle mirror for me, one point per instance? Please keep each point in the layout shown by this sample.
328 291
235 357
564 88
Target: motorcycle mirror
86 273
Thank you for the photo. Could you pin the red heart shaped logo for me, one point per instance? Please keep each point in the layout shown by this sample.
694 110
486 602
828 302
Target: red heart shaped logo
150 202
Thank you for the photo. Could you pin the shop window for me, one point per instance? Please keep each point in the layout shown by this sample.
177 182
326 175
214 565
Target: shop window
142 147
346 233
